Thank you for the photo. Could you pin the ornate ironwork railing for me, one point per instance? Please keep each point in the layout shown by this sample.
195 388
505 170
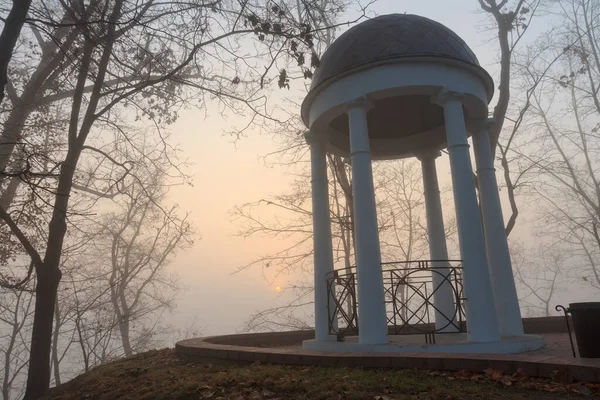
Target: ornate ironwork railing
409 289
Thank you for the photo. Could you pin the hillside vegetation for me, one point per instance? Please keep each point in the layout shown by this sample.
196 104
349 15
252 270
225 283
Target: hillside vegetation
161 374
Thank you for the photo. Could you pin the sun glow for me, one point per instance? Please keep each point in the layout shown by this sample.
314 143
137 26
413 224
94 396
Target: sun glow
278 289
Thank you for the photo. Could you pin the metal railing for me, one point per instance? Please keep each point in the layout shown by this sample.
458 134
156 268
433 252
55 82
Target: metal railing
409 291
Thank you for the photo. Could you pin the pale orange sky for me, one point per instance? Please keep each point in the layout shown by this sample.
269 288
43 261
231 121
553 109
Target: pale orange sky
226 175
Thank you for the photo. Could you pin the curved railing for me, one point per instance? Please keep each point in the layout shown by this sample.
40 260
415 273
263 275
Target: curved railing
409 290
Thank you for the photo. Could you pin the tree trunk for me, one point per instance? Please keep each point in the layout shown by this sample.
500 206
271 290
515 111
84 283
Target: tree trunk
6 383
504 84
5 392
124 330
55 361
84 354
9 194
49 275
11 134
38 378
12 29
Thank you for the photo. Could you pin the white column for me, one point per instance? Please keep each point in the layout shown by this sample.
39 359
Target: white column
372 320
503 281
482 322
443 296
323 252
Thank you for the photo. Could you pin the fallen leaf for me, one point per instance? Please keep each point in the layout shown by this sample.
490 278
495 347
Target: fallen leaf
583 390
506 380
493 374
519 376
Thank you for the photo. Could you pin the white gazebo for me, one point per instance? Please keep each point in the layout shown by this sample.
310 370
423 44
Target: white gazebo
401 86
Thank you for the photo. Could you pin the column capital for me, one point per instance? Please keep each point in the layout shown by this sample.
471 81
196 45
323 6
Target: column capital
311 138
445 95
361 102
428 154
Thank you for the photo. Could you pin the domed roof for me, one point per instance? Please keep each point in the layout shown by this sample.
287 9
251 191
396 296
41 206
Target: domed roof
390 37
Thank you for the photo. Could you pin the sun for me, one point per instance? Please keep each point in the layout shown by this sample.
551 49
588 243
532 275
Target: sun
278 289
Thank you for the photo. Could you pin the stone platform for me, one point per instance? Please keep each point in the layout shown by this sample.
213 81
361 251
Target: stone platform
286 348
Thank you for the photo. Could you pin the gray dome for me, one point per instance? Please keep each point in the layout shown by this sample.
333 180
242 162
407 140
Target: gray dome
389 37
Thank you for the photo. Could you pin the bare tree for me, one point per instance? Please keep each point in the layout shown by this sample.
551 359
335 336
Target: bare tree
565 146
84 323
288 217
401 212
16 307
539 278
140 240
173 51
511 20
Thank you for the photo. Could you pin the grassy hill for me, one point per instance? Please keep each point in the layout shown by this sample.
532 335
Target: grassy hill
161 374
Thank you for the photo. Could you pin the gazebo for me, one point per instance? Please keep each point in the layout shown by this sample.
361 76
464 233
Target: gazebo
400 86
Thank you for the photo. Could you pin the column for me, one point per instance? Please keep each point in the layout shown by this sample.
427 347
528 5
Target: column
372 319
503 281
482 321
323 251
443 296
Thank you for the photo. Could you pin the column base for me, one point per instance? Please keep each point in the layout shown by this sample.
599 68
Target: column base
445 343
